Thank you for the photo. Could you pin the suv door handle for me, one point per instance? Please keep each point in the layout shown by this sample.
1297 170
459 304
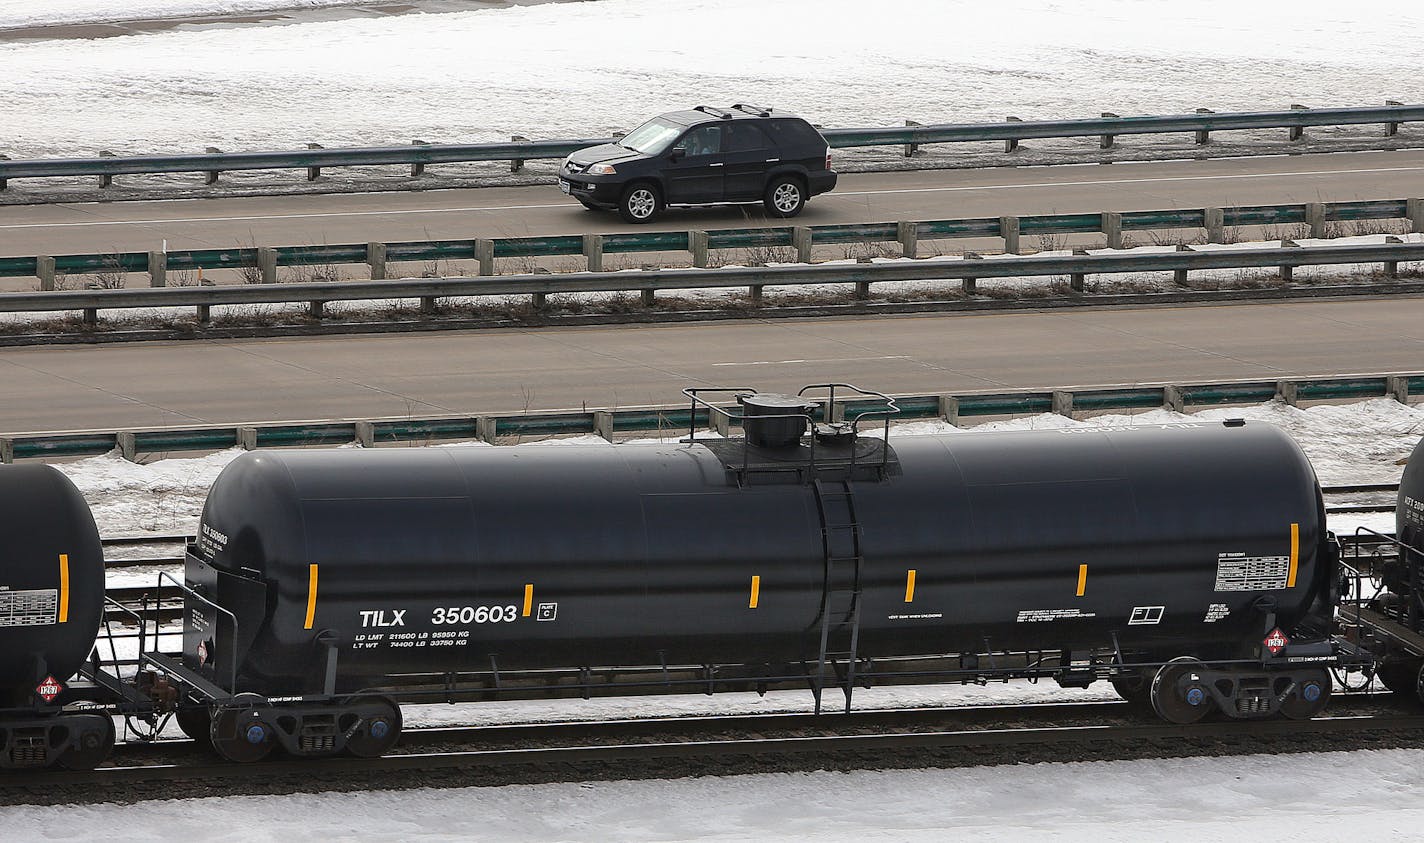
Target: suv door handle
772 160
715 165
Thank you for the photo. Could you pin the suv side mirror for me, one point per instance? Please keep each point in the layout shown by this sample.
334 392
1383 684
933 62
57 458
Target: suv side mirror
678 153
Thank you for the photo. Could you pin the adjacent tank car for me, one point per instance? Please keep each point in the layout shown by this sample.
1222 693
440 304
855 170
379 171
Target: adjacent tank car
51 600
1187 563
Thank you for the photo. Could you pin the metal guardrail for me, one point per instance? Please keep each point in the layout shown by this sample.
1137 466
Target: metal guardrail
1314 218
1076 267
674 420
420 155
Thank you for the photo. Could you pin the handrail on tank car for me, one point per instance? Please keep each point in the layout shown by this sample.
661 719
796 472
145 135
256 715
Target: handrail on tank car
109 631
164 575
1380 539
890 409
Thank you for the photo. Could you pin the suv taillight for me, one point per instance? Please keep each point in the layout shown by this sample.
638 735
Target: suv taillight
828 158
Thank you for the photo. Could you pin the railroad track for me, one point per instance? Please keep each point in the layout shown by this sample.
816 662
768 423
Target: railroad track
673 747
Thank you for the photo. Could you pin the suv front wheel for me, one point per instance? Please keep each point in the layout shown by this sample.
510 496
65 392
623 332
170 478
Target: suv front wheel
785 197
640 203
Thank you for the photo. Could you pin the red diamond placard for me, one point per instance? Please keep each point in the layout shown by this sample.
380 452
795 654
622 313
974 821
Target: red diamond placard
1276 641
49 689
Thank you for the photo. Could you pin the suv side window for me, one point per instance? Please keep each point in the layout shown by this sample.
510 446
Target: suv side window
796 134
746 137
704 140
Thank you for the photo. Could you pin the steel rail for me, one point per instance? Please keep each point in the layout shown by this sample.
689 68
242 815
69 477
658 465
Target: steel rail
518 151
866 749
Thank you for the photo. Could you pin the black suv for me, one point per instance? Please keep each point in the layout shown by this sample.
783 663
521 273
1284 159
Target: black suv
704 156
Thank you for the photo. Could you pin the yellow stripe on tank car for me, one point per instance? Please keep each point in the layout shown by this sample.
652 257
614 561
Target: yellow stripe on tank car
528 599
1082 579
63 588
311 596
910 586
1295 555
756 593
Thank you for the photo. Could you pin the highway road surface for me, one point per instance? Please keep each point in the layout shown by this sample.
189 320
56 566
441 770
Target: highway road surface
492 371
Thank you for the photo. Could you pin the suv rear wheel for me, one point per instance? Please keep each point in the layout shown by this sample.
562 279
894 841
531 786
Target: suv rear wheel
641 202
785 196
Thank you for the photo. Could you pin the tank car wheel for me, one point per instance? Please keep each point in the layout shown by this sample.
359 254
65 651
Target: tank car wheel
1309 697
1178 696
196 721
94 745
375 726
1402 678
1135 688
241 730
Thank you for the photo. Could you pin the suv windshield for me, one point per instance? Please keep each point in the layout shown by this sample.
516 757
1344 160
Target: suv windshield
652 137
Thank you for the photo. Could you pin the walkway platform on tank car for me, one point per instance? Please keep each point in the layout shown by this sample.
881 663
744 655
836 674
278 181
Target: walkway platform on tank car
842 458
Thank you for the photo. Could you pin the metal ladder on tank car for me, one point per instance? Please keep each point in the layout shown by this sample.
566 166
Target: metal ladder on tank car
840 601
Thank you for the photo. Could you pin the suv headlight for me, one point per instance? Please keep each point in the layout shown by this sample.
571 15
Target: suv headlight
601 170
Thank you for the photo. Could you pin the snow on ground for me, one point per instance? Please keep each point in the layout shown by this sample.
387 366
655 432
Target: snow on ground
585 69
24 13
1375 795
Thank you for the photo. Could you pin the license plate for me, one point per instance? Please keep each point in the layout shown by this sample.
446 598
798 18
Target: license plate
564 185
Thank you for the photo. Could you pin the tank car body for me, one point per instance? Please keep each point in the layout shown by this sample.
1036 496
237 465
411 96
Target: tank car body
51 603
1089 553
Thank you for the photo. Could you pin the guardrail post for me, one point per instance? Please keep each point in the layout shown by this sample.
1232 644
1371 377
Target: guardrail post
697 245
801 242
247 438
1062 403
1287 392
204 314
376 260
1112 230
211 176
1396 386
1391 268
1414 209
593 251
7 451
484 254
1106 141
365 434
427 304
1288 271
949 409
89 316
908 233
106 180
1204 135
314 310
517 164
418 168
1315 218
1009 230
911 148
267 264
538 301
487 428
127 444
1214 220
314 173
4 182
1077 279
1391 128
754 292
44 270
648 297
1298 132
719 423
1173 400
1179 276
157 269
970 286
603 424
1012 144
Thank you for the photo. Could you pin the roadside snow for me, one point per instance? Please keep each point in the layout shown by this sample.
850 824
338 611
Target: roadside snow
586 69
1373 795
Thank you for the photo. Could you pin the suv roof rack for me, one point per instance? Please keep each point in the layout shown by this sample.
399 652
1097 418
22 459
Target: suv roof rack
714 111
754 110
